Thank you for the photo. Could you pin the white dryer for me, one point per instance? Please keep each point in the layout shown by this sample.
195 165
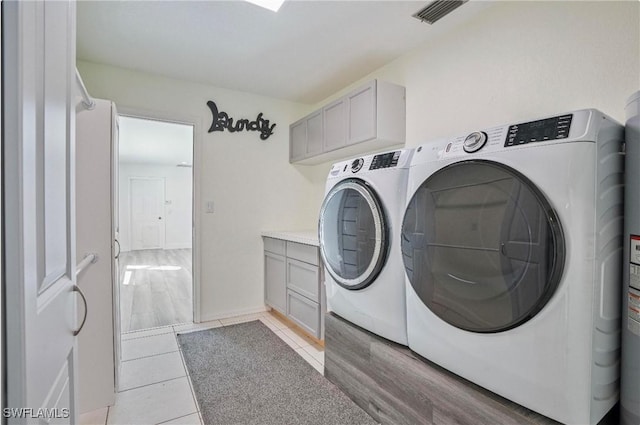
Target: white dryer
511 242
359 233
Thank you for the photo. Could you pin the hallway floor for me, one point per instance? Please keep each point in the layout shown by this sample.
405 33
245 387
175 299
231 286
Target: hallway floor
155 386
155 288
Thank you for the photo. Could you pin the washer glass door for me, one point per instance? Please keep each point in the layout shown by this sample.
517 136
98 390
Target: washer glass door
482 247
353 234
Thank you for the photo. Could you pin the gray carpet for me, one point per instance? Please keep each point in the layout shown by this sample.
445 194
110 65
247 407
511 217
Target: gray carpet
244 374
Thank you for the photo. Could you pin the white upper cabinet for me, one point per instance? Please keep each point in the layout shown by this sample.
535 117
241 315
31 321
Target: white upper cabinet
298 140
362 113
305 137
314 133
371 117
335 125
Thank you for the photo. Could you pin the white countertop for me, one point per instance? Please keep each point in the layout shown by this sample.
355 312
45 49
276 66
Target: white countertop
307 237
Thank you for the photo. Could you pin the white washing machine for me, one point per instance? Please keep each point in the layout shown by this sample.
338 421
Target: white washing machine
359 236
511 242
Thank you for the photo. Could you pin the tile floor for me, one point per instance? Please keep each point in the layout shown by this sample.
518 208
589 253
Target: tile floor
155 386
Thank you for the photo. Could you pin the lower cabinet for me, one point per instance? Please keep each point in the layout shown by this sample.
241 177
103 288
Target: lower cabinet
293 283
304 312
275 294
302 278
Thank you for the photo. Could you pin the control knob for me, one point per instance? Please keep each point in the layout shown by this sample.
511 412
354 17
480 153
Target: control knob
356 165
474 141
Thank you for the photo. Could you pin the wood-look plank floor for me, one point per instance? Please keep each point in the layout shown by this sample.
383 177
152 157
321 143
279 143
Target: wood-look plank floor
155 288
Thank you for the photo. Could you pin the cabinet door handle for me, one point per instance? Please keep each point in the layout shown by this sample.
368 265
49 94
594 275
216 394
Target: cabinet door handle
118 254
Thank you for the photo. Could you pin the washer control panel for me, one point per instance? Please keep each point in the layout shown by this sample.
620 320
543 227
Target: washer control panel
356 165
385 160
474 141
539 131
393 161
477 142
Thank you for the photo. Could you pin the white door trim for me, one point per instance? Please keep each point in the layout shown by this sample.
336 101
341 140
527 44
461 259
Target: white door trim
196 209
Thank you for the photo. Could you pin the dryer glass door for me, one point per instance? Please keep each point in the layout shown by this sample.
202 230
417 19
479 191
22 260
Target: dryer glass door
353 234
482 247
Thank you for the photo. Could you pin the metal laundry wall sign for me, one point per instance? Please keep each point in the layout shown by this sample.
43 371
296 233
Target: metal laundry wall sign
222 120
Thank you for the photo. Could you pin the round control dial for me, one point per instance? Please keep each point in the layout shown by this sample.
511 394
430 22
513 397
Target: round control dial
356 165
474 141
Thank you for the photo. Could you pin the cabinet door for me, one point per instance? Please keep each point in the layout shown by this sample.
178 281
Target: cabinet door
314 133
275 286
303 278
362 114
302 252
335 125
298 140
304 312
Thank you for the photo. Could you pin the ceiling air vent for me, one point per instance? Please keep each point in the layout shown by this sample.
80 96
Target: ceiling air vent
437 10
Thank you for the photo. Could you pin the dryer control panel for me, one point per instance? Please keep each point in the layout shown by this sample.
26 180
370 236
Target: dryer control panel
385 160
539 131
582 125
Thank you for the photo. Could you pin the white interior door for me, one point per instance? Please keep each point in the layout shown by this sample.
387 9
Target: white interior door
147 213
96 344
39 220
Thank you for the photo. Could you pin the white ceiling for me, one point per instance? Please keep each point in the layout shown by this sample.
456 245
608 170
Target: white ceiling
305 52
151 142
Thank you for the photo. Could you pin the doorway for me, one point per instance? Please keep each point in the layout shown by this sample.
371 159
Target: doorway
155 217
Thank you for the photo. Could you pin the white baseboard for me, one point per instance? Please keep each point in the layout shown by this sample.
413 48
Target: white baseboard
177 246
232 313
124 248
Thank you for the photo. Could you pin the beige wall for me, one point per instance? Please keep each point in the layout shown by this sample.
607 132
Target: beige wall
519 60
250 181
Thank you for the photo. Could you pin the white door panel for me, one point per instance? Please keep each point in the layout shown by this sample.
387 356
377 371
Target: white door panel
53 144
150 235
38 183
147 213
